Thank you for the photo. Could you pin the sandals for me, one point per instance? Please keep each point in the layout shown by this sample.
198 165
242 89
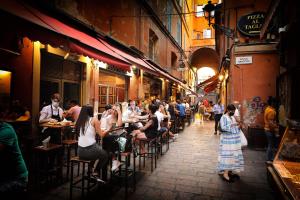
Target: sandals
233 175
227 180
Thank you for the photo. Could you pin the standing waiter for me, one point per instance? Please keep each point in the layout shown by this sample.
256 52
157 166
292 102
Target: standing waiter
52 113
218 110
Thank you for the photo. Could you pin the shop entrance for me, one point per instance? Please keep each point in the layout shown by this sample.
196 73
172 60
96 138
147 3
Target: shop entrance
110 95
111 89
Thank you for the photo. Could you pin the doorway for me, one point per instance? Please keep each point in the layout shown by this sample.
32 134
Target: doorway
62 76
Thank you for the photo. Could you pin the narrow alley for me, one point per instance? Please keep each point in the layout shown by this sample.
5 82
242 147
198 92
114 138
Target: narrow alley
188 171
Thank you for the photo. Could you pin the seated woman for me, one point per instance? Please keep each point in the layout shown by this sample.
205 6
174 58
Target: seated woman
112 120
87 126
166 123
150 128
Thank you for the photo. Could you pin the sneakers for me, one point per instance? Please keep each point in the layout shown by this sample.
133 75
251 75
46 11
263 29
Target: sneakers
115 165
96 178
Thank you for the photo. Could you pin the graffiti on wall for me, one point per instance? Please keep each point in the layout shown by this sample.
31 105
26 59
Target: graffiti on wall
252 109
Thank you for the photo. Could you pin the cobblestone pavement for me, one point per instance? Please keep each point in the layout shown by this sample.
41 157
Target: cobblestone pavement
188 171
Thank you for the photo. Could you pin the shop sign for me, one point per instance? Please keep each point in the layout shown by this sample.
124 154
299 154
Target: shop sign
243 60
251 24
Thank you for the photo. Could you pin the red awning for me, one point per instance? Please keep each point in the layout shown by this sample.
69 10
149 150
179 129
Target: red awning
138 61
212 86
162 73
211 79
77 37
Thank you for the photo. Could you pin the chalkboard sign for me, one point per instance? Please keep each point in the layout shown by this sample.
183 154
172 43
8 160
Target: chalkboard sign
251 24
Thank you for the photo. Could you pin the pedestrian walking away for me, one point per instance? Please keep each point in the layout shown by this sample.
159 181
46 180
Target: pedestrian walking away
218 110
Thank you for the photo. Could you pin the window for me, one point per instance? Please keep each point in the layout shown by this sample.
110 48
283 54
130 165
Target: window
59 75
178 38
199 11
207 33
169 17
198 37
173 59
153 40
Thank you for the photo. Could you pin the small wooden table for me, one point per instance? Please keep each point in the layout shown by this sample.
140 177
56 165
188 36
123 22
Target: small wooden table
48 163
59 125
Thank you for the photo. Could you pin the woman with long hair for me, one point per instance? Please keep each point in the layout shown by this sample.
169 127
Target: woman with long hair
113 121
88 126
230 159
150 128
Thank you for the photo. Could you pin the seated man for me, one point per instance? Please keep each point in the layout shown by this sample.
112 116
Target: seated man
74 111
13 171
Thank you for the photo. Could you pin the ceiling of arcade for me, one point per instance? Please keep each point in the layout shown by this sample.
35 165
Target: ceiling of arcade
205 57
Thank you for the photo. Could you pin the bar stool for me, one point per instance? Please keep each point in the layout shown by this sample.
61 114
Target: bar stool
125 172
48 162
151 145
69 144
86 180
164 140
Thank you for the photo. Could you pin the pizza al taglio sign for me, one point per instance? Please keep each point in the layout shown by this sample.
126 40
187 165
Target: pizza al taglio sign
251 24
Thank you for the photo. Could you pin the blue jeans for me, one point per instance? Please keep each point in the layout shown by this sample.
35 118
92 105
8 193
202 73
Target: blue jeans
271 145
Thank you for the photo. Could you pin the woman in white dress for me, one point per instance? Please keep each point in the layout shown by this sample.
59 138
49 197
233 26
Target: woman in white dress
230 159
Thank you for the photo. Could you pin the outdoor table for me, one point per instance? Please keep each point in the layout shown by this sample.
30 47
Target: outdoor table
59 125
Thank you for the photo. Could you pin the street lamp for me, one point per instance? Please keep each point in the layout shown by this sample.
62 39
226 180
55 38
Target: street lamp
181 64
209 11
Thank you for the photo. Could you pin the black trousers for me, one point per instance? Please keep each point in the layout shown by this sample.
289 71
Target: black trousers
217 120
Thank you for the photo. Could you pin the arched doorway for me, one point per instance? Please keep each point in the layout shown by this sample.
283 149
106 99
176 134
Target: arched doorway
205 57
206 61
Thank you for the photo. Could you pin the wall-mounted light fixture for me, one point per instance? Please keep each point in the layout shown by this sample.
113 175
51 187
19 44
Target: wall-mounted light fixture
181 66
209 11
99 64
221 77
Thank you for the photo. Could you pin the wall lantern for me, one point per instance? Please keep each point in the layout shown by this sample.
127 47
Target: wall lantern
209 11
181 64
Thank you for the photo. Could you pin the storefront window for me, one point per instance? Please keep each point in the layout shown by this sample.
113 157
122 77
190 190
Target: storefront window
59 75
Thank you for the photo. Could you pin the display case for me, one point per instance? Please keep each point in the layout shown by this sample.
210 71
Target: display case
285 169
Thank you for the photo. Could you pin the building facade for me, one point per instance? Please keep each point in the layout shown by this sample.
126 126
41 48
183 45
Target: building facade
249 64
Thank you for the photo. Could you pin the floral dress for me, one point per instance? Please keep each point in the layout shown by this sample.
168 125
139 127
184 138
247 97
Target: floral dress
230 153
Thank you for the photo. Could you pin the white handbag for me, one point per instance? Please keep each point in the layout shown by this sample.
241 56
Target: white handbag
244 141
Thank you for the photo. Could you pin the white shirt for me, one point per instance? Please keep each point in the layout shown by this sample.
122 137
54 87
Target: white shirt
104 121
237 115
160 118
89 136
187 105
46 112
